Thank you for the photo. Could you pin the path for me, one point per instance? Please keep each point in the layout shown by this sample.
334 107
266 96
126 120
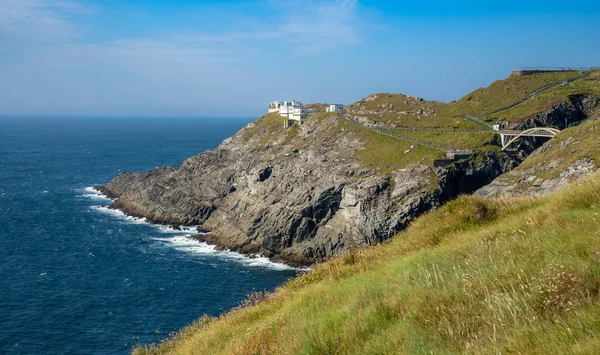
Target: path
507 136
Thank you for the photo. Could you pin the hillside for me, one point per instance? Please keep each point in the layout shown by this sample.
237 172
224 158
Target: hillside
476 276
335 183
573 153
399 268
519 102
303 194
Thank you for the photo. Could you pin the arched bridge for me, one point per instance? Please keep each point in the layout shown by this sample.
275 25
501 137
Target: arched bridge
509 137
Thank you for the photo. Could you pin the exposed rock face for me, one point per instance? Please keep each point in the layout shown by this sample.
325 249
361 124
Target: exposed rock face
294 198
553 166
519 183
560 160
577 108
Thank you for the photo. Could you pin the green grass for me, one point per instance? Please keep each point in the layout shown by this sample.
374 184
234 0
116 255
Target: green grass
386 153
266 126
476 276
453 140
379 152
269 129
387 108
503 92
544 101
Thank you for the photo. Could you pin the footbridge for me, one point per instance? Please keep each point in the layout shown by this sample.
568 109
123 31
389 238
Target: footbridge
508 137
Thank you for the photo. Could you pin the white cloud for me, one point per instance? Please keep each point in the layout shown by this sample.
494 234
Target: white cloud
38 19
46 62
308 27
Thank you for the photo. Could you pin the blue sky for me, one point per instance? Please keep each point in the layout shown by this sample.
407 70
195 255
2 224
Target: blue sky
206 58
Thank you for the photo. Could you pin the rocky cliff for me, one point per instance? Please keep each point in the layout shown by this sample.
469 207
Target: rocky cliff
571 155
309 192
297 195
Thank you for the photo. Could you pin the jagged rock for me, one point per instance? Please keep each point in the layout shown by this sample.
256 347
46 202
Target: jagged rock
526 184
301 210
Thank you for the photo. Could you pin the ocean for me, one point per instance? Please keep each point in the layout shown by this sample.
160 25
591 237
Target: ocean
78 278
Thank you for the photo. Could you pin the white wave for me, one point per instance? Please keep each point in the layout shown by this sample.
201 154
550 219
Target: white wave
119 214
91 193
187 230
190 245
180 230
181 241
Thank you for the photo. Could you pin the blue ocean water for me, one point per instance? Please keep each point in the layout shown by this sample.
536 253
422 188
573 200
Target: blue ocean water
77 278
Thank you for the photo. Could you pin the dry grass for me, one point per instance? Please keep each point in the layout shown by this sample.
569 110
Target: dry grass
386 154
544 101
475 276
505 92
408 112
454 140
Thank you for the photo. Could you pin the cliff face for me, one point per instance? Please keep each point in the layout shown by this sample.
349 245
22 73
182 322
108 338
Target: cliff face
309 192
571 155
296 195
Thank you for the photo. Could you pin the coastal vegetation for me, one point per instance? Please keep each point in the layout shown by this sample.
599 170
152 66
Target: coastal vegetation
545 100
502 93
477 276
534 93
386 153
433 122
511 101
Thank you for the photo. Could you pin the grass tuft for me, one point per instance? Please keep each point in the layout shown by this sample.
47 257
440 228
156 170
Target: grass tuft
474 276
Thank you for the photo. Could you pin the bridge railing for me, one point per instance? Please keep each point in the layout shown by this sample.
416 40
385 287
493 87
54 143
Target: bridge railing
479 122
384 132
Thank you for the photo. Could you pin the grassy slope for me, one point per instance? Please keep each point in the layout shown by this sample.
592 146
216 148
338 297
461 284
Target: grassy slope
387 154
474 276
379 152
499 94
544 101
503 92
453 140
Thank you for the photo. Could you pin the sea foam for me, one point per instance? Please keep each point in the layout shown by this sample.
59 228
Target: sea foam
190 245
181 241
93 194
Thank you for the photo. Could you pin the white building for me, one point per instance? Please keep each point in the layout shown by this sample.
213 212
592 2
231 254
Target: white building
274 106
335 108
293 110
286 110
300 113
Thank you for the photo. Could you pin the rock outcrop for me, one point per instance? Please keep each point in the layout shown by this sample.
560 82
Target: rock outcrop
309 192
298 195
573 154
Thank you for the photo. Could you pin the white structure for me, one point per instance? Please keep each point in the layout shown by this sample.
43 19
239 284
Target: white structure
300 113
286 111
274 106
335 108
293 110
